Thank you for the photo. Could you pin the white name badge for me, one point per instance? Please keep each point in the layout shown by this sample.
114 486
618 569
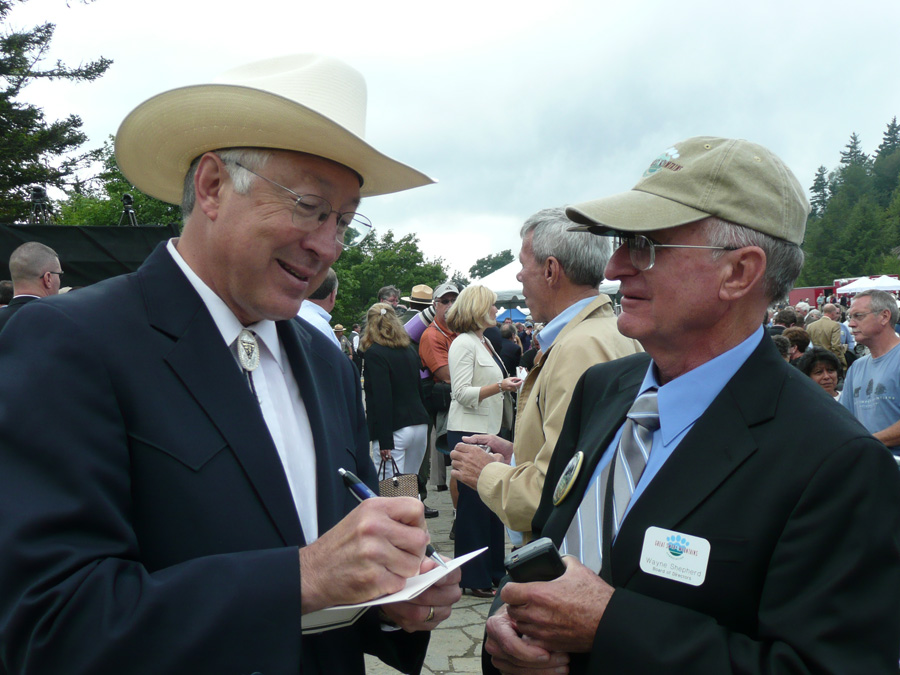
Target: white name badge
676 556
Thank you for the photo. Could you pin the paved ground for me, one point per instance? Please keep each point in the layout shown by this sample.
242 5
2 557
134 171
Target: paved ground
456 644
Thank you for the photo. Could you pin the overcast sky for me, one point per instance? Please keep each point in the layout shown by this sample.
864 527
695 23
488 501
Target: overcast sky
515 106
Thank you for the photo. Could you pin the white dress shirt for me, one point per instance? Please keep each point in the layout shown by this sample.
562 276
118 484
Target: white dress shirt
279 398
320 319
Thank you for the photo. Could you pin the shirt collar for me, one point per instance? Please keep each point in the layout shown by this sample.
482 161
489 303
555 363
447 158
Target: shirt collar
225 320
313 307
683 400
554 327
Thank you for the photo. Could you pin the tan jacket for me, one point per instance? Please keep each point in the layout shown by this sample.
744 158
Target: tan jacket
513 493
827 333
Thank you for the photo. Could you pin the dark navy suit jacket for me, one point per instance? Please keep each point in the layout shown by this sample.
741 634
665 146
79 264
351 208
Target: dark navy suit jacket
17 303
145 518
800 505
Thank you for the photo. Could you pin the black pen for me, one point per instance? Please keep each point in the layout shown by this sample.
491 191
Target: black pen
362 492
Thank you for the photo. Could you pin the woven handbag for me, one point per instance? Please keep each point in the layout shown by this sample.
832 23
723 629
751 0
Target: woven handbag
398 485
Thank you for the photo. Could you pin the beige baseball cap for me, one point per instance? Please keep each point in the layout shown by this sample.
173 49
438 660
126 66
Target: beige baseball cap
736 180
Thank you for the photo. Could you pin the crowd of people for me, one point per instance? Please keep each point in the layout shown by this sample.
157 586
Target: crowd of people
174 443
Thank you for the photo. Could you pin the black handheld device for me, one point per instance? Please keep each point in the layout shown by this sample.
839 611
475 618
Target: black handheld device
536 561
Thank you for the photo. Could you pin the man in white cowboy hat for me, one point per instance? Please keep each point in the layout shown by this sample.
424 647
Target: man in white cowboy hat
179 509
727 539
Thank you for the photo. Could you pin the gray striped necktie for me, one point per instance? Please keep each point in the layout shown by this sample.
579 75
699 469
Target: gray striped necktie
584 537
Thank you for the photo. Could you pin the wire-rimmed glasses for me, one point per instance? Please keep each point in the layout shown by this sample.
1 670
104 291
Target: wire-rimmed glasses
642 250
311 211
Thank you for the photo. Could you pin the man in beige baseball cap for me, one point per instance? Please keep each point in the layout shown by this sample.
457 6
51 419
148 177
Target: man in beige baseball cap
700 519
184 511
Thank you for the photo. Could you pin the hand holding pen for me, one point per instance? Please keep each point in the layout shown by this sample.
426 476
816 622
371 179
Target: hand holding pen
362 492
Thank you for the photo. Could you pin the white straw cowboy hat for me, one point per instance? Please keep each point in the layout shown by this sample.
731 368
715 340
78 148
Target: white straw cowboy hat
305 103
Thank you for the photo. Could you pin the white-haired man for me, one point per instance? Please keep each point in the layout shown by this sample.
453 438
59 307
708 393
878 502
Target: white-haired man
179 507
681 475
561 272
872 386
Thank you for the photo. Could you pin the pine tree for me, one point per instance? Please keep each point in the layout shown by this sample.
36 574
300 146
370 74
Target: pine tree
819 191
890 142
853 153
886 167
33 151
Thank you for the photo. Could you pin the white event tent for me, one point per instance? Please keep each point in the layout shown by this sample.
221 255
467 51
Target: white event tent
882 283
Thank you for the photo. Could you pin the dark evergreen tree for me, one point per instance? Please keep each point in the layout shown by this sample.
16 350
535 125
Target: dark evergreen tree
890 141
886 167
819 192
33 150
854 226
853 154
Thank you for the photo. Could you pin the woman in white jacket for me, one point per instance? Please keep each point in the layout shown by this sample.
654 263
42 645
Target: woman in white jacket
479 384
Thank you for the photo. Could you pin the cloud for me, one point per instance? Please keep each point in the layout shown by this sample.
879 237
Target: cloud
516 106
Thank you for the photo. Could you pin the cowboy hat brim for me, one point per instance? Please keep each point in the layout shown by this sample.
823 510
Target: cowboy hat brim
159 139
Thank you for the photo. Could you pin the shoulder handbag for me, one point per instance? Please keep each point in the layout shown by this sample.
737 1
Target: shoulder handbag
398 485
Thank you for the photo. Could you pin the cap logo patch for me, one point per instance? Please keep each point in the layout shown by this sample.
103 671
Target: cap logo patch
664 161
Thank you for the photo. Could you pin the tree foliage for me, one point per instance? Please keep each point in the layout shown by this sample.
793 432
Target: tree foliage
490 263
381 261
99 201
854 226
33 150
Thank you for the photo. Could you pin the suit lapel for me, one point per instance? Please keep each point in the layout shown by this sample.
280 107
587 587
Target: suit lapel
203 362
719 442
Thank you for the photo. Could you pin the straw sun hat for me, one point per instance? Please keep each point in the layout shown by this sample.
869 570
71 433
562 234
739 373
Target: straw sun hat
305 103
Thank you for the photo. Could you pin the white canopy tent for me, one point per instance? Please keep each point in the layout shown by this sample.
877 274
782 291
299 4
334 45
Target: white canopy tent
882 283
509 290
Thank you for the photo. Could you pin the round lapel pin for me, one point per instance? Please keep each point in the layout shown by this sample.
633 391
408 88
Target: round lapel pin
568 478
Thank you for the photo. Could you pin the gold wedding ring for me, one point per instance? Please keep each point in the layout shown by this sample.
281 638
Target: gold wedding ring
430 614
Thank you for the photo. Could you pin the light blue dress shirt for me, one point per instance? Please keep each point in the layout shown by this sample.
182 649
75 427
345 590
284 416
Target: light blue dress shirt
554 327
681 403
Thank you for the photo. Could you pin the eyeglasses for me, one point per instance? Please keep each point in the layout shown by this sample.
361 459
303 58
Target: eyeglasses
858 316
51 272
642 250
311 211
446 301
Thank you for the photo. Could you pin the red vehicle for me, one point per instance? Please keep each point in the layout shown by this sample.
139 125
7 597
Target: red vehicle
809 294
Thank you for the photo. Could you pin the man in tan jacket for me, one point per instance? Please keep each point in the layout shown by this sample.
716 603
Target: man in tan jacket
826 332
561 272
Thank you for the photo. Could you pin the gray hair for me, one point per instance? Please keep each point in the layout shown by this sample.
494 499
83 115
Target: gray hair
880 301
252 158
813 315
784 260
388 292
582 255
30 261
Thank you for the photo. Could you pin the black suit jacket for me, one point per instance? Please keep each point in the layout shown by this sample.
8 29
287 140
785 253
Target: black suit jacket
510 355
393 392
6 313
153 527
801 507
